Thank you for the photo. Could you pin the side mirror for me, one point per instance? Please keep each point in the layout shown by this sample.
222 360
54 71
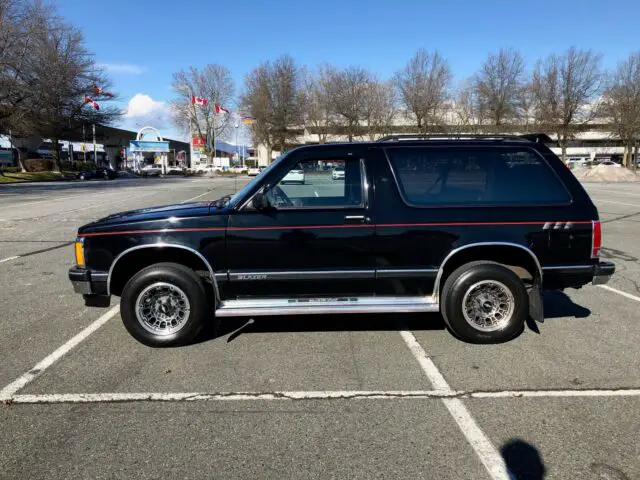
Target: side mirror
260 201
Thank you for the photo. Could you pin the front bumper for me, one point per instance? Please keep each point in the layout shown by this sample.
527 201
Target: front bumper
88 282
602 272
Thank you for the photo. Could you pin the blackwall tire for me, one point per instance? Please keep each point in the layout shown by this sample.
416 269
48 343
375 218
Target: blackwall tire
484 302
165 305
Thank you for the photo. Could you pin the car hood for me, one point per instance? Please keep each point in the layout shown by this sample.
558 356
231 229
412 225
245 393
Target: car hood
175 211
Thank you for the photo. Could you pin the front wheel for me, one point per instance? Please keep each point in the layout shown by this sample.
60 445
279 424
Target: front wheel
164 305
484 302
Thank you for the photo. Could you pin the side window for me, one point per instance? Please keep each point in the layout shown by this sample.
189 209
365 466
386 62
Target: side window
483 176
318 184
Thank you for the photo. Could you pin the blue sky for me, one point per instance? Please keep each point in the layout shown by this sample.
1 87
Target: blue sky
144 41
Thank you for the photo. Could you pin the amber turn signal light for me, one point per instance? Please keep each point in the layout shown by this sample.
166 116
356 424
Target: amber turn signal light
79 247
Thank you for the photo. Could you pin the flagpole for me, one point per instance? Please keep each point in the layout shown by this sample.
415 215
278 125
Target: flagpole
95 155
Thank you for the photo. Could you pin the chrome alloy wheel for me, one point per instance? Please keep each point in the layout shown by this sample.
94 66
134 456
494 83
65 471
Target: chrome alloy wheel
162 308
488 305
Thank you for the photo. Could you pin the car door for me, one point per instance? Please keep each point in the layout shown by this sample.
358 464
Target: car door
315 237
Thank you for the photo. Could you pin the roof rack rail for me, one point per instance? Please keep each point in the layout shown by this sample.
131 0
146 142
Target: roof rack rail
533 137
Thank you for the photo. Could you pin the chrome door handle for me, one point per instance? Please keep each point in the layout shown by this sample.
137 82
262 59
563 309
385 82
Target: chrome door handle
354 219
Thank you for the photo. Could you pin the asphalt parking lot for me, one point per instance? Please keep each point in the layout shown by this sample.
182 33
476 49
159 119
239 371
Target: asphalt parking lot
388 396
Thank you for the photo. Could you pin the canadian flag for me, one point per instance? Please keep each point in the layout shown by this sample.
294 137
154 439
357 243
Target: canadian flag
199 101
93 103
99 91
220 109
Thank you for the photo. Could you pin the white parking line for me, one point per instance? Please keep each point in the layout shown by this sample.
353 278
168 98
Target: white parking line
23 380
618 203
630 392
9 258
198 196
486 451
620 292
309 395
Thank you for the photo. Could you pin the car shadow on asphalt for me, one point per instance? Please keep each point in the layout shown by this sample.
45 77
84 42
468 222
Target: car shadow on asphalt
392 322
556 305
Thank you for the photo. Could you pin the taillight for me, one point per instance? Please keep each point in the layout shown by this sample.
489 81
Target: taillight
596 239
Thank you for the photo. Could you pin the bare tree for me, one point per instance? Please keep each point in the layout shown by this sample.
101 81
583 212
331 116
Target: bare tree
424 85
63 74
565 89
213 83
273 95
316 103
621 103
379 108
347 94
467 108
498 86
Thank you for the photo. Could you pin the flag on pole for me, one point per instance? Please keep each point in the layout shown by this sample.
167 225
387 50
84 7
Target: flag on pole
93 103
202 102
99 91
220 109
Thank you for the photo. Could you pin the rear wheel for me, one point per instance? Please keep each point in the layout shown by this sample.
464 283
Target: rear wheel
484 302
165 305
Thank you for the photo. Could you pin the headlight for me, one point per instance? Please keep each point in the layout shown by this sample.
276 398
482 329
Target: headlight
79 248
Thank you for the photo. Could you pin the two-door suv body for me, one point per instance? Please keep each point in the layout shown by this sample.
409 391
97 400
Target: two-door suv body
475 228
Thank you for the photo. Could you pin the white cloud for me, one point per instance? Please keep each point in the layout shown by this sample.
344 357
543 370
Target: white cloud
123 68
143 110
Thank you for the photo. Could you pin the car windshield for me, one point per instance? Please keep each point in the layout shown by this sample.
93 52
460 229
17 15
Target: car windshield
257 179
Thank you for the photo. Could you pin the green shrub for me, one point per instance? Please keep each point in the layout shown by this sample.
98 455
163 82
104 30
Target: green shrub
11 169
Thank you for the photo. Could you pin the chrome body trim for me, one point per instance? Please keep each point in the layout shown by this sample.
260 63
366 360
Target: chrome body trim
404 272
222 277
301 275
436 286
568 267
308 306
165 245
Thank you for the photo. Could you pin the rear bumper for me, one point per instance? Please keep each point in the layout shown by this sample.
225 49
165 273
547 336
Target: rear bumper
88 282
576 276
602 272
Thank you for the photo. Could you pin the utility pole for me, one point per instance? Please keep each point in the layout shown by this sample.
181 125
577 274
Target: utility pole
95 155
84 144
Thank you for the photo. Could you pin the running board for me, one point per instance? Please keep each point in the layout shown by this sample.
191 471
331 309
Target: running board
308 306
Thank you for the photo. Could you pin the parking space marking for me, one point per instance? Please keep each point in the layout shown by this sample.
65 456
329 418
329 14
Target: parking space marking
618 203
620 292
486 451
622 392
120 397
9 258
23 380
197 196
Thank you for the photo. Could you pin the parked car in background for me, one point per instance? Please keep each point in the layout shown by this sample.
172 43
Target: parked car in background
610 163
153 170
176 170
338 173
294 176
253 171
237 169
208 168
100 173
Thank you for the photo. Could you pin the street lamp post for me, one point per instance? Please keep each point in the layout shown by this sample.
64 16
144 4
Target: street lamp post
95 155
237 149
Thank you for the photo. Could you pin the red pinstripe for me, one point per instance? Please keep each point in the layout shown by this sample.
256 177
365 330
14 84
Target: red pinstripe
317 227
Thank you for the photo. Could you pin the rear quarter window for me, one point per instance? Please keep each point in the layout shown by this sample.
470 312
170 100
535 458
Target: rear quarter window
432 176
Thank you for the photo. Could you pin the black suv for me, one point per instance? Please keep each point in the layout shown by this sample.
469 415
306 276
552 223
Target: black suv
472 227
